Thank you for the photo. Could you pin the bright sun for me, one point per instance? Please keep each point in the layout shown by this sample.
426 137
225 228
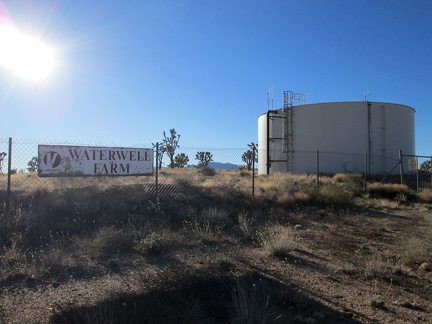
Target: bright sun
25 56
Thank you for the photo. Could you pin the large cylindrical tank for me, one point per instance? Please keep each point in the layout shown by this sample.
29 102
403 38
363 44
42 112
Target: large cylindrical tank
342 132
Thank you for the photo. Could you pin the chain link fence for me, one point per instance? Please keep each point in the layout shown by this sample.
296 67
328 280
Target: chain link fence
20 183
418 173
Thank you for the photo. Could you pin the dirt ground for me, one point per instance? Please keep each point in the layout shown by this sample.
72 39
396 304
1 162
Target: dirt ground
345 268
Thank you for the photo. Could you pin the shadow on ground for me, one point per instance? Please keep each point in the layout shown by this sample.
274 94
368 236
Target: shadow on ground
250 298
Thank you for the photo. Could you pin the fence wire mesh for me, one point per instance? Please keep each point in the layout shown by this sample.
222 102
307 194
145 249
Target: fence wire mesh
179 182
185 181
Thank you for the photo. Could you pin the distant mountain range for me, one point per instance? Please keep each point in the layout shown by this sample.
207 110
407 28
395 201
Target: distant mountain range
219 166
223 166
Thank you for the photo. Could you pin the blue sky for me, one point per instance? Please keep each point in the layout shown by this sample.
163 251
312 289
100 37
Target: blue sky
128 70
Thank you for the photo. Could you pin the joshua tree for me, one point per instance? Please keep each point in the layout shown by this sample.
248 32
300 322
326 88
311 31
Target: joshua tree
248 156
204 158
181 160
33 164
170 144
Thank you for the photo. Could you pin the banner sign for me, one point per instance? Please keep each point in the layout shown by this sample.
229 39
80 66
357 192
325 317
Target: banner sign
79 161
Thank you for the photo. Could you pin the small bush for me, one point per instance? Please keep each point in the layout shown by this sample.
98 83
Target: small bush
277 239
245 223
209 226
333 195
353 181
110 239
152 243
207 171
425 195
292 199
387 190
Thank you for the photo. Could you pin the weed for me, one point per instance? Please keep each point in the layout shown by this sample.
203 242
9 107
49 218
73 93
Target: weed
250 303
278 240
207 171
386 190
207 230
376 266
333 195
377 299
425 195
150 244
245 223
110 239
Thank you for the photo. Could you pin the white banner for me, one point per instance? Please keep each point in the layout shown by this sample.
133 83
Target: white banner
77 161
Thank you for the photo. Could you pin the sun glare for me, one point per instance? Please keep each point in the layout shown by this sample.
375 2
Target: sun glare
25 56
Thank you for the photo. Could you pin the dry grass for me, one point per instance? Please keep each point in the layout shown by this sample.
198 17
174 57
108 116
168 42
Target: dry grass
386 190
425 195
246 223
278 240
209 225
96 224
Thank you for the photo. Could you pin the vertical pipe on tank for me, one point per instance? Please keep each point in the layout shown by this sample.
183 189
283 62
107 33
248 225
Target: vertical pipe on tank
268 138
370 137
401 166
268 143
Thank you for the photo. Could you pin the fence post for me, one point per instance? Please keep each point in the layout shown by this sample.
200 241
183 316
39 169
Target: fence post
401 166
8 190
253 171
317 169
365 171
417 173
157 171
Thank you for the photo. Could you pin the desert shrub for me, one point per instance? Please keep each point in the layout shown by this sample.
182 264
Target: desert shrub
333 195
250 301
425 195
278 240
352 181
207 171
292 199
245 223
387 190
209 225
417 250
376 266
151 243
244 173
111 239
18 259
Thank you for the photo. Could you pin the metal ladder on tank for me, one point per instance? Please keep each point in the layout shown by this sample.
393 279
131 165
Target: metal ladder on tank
288 134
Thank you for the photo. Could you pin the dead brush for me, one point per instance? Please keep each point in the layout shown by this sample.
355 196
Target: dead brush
278 240
210 225
245 223
387 190
30 262
250 302
150 244
292 199
331 194
110 239
425 195
376 267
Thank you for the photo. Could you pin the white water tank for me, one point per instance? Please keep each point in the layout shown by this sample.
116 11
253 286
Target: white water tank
342 132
